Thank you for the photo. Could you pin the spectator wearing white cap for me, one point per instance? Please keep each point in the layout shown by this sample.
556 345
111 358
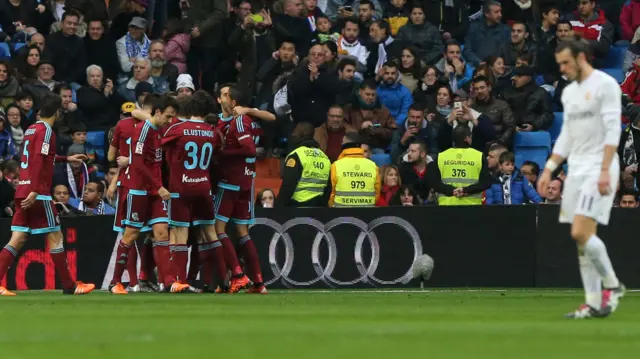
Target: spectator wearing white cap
185 86
133 45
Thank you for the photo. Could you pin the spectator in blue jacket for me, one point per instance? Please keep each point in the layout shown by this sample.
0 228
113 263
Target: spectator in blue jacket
7 149
509 186
452 65
92 202
486 36
393 95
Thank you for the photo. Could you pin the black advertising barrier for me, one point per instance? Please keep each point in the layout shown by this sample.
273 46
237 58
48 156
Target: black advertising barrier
365 248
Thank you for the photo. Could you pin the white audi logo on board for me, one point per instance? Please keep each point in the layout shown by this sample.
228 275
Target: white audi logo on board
324 273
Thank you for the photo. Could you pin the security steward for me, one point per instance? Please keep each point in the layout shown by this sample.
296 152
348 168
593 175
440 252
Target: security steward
305 181
355 179
462 173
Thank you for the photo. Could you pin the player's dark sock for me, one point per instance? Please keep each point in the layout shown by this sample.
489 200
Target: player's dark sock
218 258
146 260
204 254
132 266
179 258
230 256
7 257
250 255
122 256
194 264
59 257
162 257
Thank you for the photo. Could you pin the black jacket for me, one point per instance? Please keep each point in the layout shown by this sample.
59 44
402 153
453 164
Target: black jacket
421 185
510 53
103 53
290 177
530 105
454 20
393 50
101 112
64 127
68 56
310 100
293 28
267 75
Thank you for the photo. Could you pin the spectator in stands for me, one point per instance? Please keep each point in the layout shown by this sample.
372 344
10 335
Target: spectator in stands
493 157
488 36
112 172
349 44
70 118
482 131
177 44
265 198
520 43
628 198
497 110
366 12
101 50
406 196
7 149
631 57
461 173
9 86
452 17
554 191
292 24
425 93
92 202
544 35
631 85
383 47
284 60
98 101
67 51
339 9
185 86
141 73
411 68
592 25
415 170
629 19
456 70
629 147
514 11
422 35
58 13
529 102
393 95
329 136
418 127
164 74
28 67
371 118
24 100
61 201
348 87
391 182
135 44
530 170
44 82
509 186
74 175
14 119
501 75
312 88
7 192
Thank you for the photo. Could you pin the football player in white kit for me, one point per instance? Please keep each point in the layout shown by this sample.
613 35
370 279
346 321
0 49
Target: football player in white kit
589 141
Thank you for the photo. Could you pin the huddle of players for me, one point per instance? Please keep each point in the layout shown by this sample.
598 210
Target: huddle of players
188 145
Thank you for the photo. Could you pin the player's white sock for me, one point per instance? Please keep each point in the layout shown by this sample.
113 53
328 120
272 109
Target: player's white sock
590 280
119 238
596 251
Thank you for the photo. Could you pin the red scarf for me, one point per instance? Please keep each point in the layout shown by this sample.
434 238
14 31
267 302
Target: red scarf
386 193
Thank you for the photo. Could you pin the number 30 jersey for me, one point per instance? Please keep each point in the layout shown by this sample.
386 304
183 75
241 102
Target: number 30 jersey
36 164
189 147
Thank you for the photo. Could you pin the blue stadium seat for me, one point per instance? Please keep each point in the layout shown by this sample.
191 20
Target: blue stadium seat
5 52
615 57
100 154
18 46
96 138
556 126
535 156
381 159
532 146
617 74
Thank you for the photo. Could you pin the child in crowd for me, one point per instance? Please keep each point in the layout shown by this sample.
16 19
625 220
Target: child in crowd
24 100
14 117
79 137
510 187
397 15
323 32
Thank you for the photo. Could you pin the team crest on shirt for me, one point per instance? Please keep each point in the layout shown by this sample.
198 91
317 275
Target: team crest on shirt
45 149
134 216
139 147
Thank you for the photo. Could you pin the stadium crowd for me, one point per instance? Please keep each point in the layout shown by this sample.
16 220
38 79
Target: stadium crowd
403 75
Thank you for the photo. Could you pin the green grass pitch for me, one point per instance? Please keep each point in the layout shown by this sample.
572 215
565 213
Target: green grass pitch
438 324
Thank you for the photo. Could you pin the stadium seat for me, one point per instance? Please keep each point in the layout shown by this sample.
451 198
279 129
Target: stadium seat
617 74
18 46
556 126
615 57
532 146
381 159
534 156
100 154
96 138
5 52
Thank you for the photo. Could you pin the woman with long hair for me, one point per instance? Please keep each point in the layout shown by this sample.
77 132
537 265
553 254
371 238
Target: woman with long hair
406 196
391 182
411 68
425 93
265 198
27 68
501 72
9 86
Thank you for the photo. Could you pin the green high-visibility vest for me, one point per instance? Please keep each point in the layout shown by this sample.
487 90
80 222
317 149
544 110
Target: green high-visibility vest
316 169
460 167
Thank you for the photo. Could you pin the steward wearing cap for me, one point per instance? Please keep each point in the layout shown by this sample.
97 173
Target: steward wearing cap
462 172
355 180
529 102
305 181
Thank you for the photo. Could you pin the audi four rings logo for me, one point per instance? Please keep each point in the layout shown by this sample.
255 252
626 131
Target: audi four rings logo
325 273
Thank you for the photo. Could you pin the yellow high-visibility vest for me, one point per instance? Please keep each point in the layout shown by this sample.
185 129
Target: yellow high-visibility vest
316 169
460 167
355 182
